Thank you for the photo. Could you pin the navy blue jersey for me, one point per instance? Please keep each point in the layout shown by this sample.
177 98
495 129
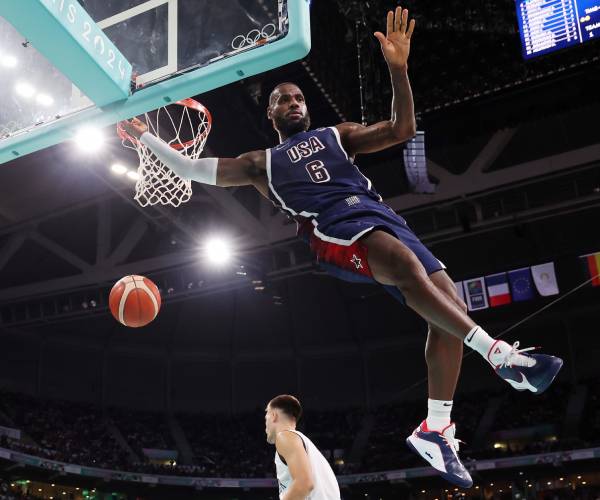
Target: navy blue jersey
310 175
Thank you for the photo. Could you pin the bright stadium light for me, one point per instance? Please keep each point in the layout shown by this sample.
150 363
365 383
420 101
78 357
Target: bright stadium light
217 251
44 100
24 89
118 169
8 61
89 139
133 175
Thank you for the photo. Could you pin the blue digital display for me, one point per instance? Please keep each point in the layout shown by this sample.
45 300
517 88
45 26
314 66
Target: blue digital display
549 25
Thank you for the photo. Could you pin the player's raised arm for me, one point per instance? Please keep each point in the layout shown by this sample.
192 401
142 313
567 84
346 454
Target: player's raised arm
290 447
401 126
224 172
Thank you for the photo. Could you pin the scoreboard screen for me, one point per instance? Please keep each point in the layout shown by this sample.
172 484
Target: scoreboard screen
549 25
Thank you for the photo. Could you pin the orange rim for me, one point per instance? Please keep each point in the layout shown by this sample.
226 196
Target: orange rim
188 103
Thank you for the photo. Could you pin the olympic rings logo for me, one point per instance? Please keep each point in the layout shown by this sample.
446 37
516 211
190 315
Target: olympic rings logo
254 37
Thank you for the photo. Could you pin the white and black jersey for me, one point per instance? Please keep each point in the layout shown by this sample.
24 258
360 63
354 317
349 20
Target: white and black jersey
325 483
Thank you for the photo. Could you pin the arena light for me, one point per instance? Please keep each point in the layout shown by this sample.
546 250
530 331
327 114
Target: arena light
118 169
133 175
89 139
8 61
217 250
24 89
44 100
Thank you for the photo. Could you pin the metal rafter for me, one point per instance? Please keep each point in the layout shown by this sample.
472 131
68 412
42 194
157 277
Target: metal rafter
134 234
10 248
475 180
60 251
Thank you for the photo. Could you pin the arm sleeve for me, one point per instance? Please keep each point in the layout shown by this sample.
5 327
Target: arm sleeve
202 170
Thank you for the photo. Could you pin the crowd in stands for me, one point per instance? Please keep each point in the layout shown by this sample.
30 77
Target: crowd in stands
143 429
8 493
235 445
591 414
225 443
65 431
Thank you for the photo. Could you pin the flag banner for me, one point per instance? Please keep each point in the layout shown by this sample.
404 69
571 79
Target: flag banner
521 284
460 290
475 294
591 263
497 288
544 277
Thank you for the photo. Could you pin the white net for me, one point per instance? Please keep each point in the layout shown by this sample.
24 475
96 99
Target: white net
184 126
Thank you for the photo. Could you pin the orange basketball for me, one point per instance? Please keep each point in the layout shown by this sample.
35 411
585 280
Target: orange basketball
134 301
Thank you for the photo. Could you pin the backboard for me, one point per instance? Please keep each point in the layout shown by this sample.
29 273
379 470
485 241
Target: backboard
172 49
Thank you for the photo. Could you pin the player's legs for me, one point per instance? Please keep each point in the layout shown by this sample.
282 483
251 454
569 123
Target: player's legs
401 263
443 352
433 297
393 263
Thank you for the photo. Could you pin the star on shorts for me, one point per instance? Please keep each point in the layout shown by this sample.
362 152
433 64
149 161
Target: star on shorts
357 261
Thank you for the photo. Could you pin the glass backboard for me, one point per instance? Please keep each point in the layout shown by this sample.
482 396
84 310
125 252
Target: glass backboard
176 48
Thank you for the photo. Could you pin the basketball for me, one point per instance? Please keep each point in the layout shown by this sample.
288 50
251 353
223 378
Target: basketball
134 301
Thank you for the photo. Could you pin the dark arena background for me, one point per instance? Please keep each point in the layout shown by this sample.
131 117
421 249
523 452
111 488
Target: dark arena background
91 409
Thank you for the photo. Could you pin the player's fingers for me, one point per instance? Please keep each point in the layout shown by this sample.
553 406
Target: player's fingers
404 21
411 28
390 23
398 19
381 37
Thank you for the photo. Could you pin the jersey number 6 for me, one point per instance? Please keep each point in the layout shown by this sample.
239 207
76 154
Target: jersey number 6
317 171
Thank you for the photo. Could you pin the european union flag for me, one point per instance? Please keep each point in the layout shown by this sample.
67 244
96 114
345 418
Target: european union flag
521 284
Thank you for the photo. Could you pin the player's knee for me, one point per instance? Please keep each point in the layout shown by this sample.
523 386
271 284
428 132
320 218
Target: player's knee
450 290
408 273
457 300
461 304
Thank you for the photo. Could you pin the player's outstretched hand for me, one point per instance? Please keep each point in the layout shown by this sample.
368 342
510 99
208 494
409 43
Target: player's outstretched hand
395 44
134 128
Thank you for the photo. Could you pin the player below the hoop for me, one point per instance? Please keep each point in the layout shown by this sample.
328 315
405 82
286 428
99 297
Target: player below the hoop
311 176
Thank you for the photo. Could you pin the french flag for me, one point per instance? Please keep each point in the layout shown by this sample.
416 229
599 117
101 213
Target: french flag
498 291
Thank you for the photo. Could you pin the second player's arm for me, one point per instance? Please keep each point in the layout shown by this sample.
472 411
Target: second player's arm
291 447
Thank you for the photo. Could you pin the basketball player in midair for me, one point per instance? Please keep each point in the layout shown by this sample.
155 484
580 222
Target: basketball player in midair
311 176
302 471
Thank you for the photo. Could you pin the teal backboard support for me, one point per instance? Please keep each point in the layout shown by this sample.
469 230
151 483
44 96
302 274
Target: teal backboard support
291 45
64 33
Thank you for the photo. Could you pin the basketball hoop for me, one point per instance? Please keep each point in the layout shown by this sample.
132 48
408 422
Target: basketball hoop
184 126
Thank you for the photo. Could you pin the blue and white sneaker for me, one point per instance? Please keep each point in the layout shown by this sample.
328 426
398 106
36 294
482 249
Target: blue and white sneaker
440 449
525 372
